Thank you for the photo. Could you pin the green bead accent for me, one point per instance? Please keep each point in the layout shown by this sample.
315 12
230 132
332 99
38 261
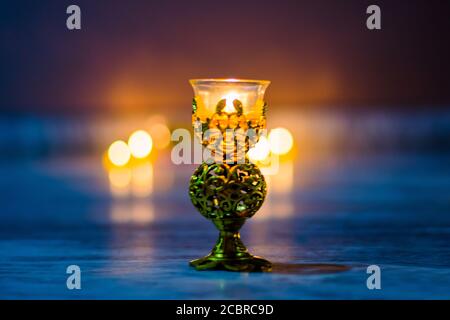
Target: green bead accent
194 106
228 195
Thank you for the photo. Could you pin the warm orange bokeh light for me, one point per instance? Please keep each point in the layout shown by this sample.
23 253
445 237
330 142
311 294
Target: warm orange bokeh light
260 151
140 144
118 153
280 140
161 135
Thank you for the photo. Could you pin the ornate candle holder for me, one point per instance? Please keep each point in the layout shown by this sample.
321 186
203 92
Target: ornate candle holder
228 117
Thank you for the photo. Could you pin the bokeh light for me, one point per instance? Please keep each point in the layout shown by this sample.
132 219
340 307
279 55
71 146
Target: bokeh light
140 143
118 153
280 140
160 134
260 151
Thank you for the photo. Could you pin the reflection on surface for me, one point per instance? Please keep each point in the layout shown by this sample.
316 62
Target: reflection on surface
142 179
131 248
141 212
136 180
280 187
300 268
119 181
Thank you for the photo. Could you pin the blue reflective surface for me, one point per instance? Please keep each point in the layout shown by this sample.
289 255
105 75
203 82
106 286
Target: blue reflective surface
339 213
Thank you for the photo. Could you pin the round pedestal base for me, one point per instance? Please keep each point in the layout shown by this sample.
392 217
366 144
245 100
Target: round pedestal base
245 264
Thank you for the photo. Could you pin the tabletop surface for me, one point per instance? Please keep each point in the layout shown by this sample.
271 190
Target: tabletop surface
322 225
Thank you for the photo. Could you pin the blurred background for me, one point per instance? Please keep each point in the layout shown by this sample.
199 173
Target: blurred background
86 118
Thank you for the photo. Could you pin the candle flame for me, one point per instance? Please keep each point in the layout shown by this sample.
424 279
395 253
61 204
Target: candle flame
230 97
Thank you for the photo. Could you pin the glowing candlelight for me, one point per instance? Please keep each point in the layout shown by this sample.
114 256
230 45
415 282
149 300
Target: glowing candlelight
209 92
140 144
119 153
230 97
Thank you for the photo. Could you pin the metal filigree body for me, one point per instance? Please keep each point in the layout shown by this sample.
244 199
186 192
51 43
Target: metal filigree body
227 195
227 191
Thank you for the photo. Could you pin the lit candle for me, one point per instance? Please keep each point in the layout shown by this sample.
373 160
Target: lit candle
229 104
230 97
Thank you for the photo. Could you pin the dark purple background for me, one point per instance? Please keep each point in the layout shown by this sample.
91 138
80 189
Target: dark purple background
138 55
